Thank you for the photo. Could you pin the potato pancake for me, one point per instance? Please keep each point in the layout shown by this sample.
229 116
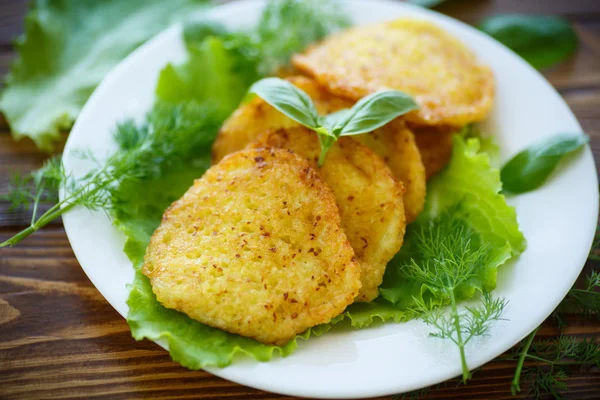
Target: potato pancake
411 55
367 195
435 146
255 248
393 142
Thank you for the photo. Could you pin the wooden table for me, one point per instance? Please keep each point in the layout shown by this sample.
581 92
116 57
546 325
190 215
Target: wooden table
59 338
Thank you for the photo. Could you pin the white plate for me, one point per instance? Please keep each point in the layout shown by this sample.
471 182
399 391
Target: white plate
558 221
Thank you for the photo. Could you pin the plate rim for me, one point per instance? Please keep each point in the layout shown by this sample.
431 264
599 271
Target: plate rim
131 58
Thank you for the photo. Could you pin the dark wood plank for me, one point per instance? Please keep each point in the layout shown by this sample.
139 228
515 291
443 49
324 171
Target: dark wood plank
582 71
11 20
474 10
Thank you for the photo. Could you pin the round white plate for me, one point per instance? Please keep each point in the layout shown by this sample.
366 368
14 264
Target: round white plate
558 221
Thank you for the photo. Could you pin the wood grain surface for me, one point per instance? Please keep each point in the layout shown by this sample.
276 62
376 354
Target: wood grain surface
60 339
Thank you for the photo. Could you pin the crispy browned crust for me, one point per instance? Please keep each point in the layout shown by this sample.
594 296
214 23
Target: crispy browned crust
368 196
255 247
450 85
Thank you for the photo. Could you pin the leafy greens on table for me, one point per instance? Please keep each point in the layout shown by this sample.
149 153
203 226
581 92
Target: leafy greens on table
67 48
543 41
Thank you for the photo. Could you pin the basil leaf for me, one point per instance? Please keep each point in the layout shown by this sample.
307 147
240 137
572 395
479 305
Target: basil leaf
372 112
289 100
531 167
331 120
365 116
427 3
542 41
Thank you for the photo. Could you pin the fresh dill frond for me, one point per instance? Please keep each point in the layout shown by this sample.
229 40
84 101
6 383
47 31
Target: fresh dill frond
19 192
25 191
283 31
594 256
460 326
554 358
450 255
545 381
171 135
583 301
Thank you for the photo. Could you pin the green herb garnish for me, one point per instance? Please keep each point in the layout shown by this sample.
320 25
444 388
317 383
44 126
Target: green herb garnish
427 3
553 357
530 168
446 255
172 137
368 114
542 41
67 48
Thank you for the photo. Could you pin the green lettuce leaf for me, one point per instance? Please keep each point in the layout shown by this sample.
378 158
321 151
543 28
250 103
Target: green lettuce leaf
465 196
191 343
224 89
473 182
67 48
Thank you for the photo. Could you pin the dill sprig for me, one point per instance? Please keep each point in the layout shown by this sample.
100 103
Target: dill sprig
546 364
582 300
553 359
595 247
171 134
451 255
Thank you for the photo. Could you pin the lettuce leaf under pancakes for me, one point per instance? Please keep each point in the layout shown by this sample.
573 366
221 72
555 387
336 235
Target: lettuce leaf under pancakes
466 192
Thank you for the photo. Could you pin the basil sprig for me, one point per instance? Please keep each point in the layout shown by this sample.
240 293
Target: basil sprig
427 3
530 168
542 41
368 114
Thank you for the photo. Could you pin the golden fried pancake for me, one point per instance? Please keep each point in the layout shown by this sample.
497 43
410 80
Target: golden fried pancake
366 193
393 142
255 247
411 55
435 145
